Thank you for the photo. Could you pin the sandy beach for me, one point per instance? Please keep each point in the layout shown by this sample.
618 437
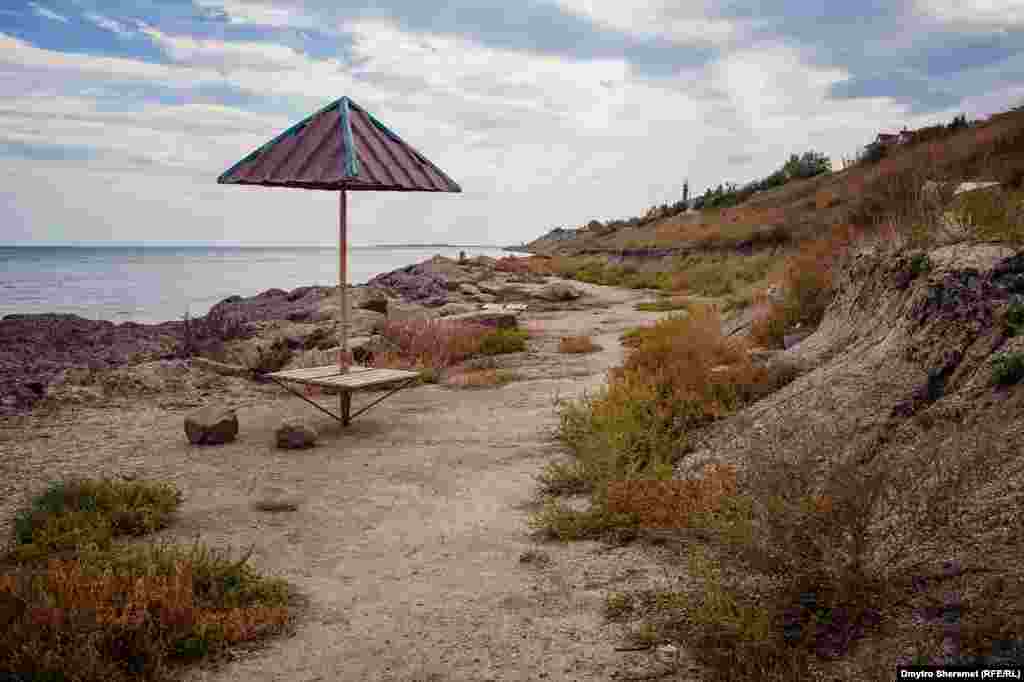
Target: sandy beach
410 540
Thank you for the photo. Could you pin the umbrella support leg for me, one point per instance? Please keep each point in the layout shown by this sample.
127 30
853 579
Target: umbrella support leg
311 402
345 403
390 393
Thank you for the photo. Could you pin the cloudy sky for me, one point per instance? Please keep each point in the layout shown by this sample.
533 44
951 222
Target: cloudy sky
116 117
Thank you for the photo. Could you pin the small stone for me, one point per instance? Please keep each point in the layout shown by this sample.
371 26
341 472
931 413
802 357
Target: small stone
211 425
292 435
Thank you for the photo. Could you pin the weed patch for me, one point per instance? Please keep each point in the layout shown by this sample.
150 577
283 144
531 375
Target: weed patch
134 614
81 512
100 611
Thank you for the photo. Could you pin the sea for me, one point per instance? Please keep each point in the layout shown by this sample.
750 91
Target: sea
157 283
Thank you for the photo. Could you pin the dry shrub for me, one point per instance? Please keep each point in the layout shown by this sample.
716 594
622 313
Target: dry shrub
577 344
681 374
432 343
806 283
133 614
98 611
671 504
512 264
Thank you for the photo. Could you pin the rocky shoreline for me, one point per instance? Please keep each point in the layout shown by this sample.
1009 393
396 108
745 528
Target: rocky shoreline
41 353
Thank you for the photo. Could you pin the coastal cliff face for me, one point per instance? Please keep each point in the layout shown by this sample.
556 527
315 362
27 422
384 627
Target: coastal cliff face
909 411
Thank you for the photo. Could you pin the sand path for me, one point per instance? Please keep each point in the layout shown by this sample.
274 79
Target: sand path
411 523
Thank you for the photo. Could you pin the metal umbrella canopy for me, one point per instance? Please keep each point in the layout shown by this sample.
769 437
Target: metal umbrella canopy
340 148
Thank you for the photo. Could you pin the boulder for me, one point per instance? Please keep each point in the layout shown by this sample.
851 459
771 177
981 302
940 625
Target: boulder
558 291
469 289
369 298
211 425
399 311
489 318
360 321
456 309
293 435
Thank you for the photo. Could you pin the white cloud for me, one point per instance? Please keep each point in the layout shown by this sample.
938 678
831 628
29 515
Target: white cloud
18 54
226 56
47 13
984 14
260 13
109 24
662 18
535 140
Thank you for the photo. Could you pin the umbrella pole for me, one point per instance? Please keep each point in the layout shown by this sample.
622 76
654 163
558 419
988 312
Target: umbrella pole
343 278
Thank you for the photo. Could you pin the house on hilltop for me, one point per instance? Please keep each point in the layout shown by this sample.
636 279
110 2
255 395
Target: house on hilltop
885 140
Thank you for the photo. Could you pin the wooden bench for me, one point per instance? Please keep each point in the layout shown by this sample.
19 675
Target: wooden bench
357 378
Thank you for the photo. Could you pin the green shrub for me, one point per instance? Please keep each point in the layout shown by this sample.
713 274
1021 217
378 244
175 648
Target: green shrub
919 264
502 341
1015 319
76 513
1008 369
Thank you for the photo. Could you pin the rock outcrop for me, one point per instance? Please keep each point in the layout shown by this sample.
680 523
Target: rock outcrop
211 425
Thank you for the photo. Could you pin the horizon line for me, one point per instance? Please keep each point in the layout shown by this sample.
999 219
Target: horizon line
165 244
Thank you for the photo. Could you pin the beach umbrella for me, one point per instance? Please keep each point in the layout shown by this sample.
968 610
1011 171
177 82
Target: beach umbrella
340 148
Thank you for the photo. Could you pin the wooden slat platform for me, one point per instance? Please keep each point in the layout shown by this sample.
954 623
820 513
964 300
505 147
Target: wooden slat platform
357 377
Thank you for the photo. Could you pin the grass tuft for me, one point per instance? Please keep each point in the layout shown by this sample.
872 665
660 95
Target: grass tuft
76 513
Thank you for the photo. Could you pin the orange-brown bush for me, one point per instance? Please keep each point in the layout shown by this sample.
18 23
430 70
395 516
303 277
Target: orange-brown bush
806 282
682 373
577 344
672 503
536 265
75 605
131 615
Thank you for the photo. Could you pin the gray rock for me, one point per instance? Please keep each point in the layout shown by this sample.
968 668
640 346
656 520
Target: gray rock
490 318
399 311
211 425
557 291
293 435
456 309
